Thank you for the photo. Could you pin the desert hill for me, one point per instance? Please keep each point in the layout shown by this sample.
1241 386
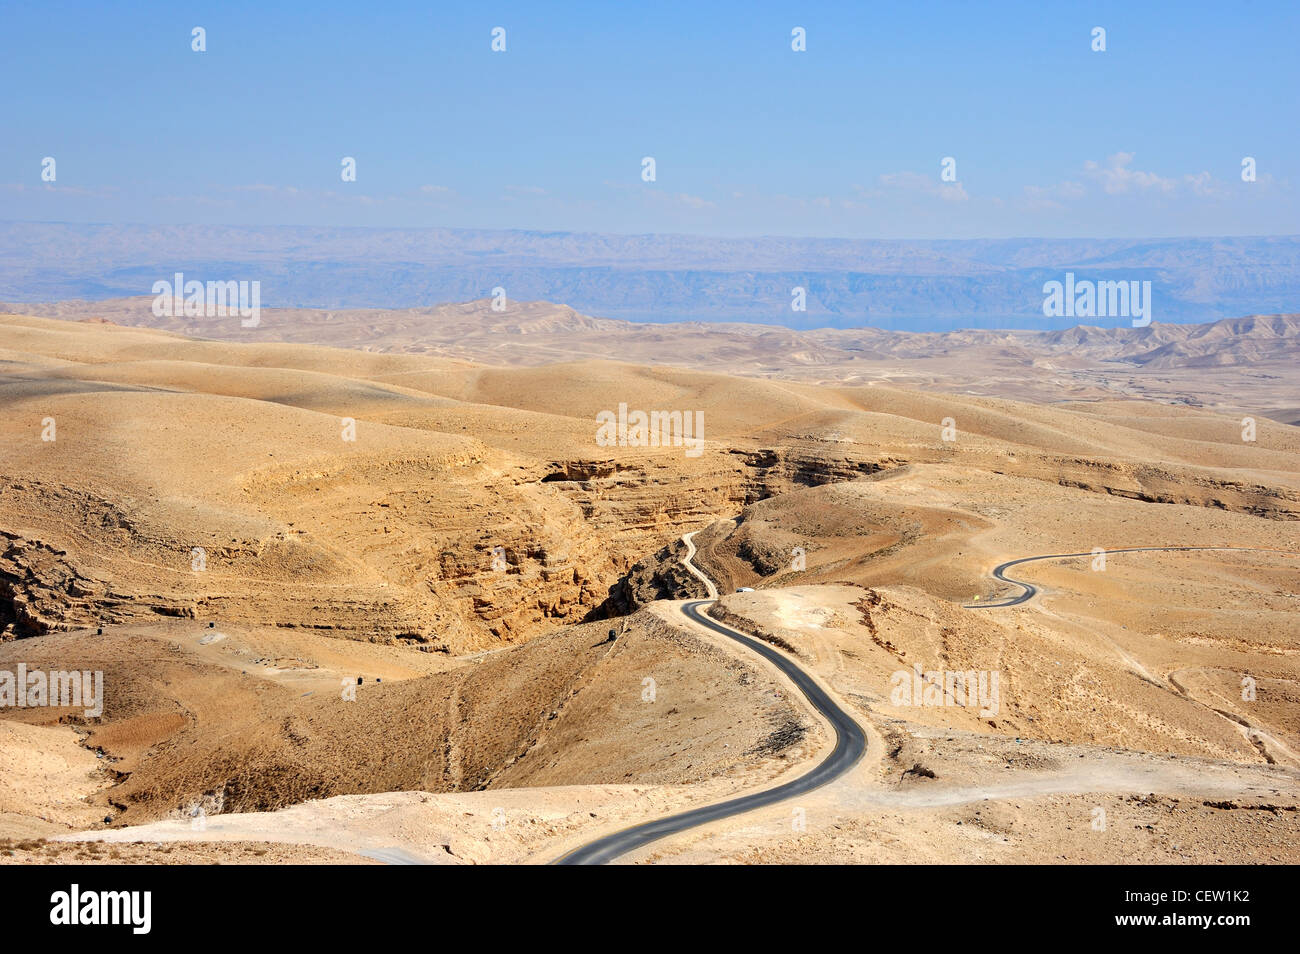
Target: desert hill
232 530
1238 365
166 445
194 718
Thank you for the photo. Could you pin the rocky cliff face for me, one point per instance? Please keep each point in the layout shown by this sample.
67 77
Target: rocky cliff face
455 565
452 566
660 576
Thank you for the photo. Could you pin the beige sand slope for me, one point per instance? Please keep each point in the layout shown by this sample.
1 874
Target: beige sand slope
1240 366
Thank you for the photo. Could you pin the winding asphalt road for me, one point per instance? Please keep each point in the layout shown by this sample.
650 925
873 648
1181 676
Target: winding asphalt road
850 740
850 744
1029 589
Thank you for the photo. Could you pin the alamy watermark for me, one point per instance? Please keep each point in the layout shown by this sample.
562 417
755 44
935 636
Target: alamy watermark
35 688
195 299
1089 299
946 687
129 908
651 429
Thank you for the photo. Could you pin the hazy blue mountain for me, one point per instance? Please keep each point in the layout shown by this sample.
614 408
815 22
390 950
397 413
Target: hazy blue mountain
906 285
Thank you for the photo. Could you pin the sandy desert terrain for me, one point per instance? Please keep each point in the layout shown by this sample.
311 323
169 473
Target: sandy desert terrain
357 605
1242 365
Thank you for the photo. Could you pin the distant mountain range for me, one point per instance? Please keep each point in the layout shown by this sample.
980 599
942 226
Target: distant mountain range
898 285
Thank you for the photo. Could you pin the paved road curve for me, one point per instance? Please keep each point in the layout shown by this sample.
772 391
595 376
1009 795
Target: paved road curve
1029 589
850 744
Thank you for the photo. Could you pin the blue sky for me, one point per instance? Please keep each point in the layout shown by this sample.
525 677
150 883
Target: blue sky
749 137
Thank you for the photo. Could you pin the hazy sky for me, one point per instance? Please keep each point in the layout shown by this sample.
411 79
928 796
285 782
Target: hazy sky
749 137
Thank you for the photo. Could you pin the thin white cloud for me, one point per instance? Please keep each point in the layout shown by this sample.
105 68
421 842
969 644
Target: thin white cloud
205 200
683 199
267 189
102 192
1116 178
692 201
925 185
1205 185
1051 198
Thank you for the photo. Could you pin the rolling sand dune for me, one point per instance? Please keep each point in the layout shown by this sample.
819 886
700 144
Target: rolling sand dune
1237 365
